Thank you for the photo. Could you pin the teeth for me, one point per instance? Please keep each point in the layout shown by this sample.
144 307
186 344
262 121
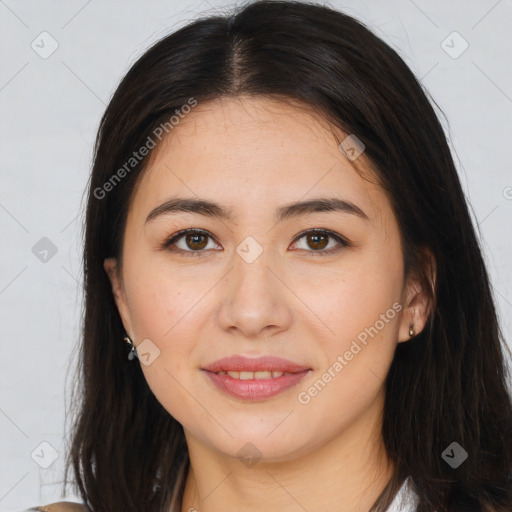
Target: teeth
262 375
252 375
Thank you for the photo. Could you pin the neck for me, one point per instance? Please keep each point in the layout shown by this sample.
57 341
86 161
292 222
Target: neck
351 469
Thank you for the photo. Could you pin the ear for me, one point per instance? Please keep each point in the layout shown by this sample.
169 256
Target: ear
417 300
114 274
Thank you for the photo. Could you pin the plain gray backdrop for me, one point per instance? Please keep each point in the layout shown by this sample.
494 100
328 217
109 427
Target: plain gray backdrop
61 62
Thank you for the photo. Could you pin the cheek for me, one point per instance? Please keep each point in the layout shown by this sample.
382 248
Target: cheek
363 314
162 311
354 296
164 308
158 301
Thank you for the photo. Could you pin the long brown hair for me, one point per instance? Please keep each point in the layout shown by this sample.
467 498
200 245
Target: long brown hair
448 384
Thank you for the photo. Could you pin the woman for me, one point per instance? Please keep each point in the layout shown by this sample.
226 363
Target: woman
286 303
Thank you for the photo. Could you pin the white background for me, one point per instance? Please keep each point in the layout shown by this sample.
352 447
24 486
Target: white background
50 110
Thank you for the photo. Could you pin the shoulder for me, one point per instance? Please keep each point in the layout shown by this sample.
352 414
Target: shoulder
62 506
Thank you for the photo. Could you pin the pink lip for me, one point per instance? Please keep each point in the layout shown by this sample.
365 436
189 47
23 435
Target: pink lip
255 389
247 364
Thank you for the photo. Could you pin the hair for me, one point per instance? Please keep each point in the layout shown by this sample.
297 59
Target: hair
448 384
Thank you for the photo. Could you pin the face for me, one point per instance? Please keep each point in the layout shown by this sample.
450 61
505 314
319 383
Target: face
320 289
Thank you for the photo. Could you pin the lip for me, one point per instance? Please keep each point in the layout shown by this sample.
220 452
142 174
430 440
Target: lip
251 364
255 389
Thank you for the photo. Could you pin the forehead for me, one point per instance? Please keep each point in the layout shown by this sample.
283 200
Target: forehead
253 152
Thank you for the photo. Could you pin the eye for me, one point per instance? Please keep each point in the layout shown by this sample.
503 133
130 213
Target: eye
318 240
193 242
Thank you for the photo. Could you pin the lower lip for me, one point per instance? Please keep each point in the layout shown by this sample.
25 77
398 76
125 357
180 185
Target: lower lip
255 389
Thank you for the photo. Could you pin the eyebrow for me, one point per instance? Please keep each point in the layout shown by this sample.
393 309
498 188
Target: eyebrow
295 209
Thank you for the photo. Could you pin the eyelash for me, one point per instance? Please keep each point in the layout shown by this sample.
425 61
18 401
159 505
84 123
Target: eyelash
177 236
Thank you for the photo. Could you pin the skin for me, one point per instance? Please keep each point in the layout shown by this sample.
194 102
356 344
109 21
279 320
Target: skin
253 155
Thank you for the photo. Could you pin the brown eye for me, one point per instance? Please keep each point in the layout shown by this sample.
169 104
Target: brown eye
196 241
317 241
192 242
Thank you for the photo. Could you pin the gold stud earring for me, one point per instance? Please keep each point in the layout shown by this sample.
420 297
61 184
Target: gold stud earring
411 330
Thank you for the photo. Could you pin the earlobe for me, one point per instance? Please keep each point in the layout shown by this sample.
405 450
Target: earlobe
414 318
418 299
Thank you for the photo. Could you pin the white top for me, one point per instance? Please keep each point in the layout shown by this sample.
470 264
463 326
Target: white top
406 500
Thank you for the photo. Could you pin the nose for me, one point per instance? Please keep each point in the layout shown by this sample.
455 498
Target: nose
254 303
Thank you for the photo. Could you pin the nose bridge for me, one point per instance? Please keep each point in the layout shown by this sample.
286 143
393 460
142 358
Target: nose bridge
253 298
252 273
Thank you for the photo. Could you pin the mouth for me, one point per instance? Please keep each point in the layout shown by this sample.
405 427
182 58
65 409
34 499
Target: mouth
254 379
